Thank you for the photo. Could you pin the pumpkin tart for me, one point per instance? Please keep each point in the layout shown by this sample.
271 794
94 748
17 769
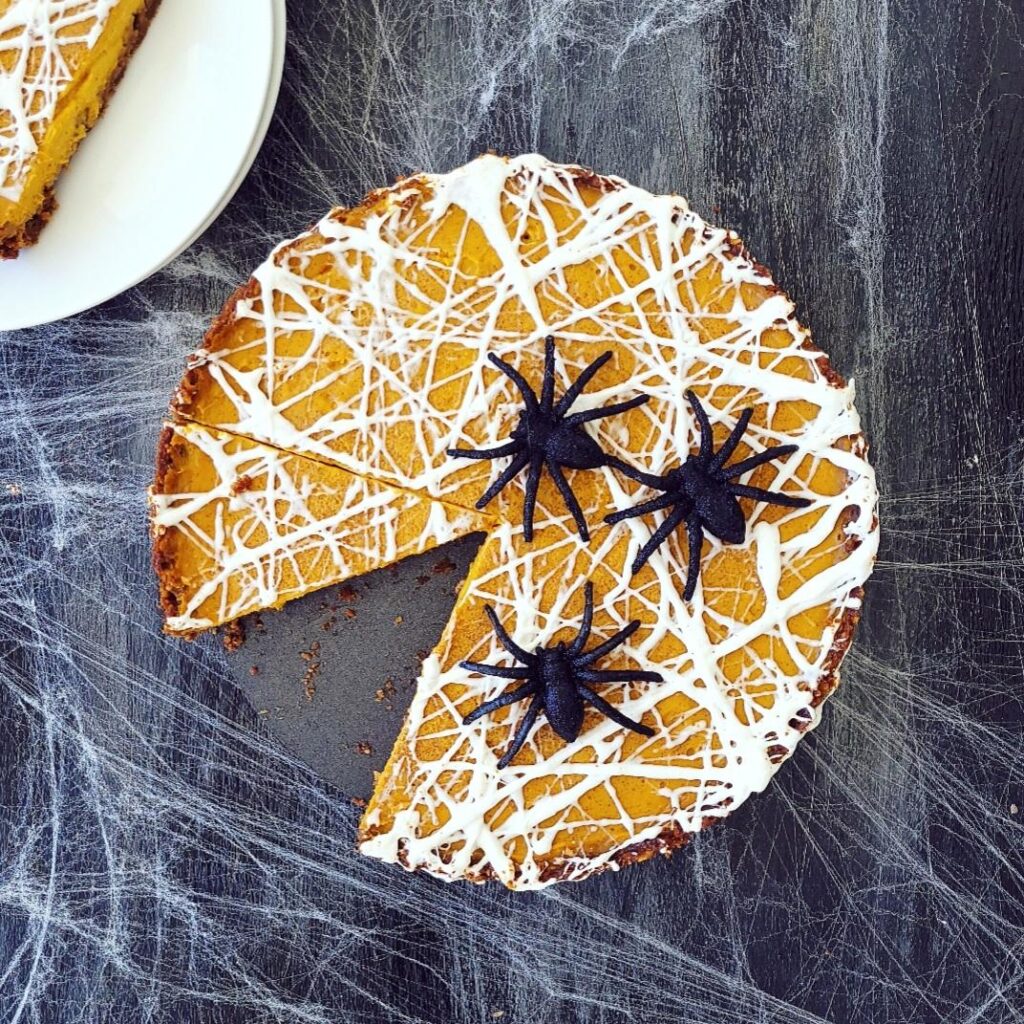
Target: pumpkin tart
377 352
60 60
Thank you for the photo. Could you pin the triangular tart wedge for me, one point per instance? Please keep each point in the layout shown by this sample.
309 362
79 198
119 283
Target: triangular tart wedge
240 527
720 724
60 60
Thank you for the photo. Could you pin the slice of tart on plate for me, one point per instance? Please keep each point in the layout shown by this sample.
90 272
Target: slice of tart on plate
59 63
60 60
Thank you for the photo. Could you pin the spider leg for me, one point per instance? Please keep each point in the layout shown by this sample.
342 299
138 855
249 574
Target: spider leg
575 389
723 453
758 460
547 397
517 378
695 535
612 675
569 498
530 498
486 453
588 618
654 505
611 711
498 671
608 645
521 733
635 474
706 435
519 693
773 497
672 520
607 410
506 641
506 475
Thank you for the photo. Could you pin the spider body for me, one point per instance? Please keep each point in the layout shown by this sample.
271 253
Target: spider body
559 681
548 437
702 492
563 704
566 443
720 512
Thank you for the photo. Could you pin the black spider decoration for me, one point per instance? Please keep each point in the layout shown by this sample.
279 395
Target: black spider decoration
558 681
545 437
701 492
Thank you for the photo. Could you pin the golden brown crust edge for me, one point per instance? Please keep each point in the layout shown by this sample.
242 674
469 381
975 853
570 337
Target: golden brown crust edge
27 234
162 559
672 837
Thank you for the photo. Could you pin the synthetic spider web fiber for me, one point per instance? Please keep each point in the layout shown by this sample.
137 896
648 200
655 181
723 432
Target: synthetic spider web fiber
161 857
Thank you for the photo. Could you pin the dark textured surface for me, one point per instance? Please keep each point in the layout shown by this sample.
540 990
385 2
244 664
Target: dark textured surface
166 855
333 674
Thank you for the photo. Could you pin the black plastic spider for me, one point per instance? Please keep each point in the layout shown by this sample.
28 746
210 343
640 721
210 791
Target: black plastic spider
558 681
702 493
545 437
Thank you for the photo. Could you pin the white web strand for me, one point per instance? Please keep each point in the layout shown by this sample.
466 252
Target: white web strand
160 852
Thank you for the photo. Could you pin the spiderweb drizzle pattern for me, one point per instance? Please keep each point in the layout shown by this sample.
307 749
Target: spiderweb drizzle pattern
384 367
879 879
265 528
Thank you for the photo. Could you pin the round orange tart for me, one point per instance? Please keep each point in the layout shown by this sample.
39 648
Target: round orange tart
672 479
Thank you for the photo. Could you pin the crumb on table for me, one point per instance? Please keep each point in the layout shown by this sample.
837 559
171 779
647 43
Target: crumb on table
386 692
233 635
444 566
312 659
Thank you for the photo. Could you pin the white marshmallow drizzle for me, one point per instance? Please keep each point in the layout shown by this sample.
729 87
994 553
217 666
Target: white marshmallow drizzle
34 72
464 786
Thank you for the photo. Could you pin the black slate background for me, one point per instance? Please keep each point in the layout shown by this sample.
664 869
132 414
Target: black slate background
170 853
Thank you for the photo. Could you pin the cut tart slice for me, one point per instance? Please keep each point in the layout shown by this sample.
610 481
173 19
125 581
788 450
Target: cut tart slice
240 527
60 60
719 723
561 348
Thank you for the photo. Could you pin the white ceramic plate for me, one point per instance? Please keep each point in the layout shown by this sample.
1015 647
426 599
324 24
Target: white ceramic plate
176 141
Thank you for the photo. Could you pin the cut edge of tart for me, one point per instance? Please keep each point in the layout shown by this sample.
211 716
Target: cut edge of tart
315 329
